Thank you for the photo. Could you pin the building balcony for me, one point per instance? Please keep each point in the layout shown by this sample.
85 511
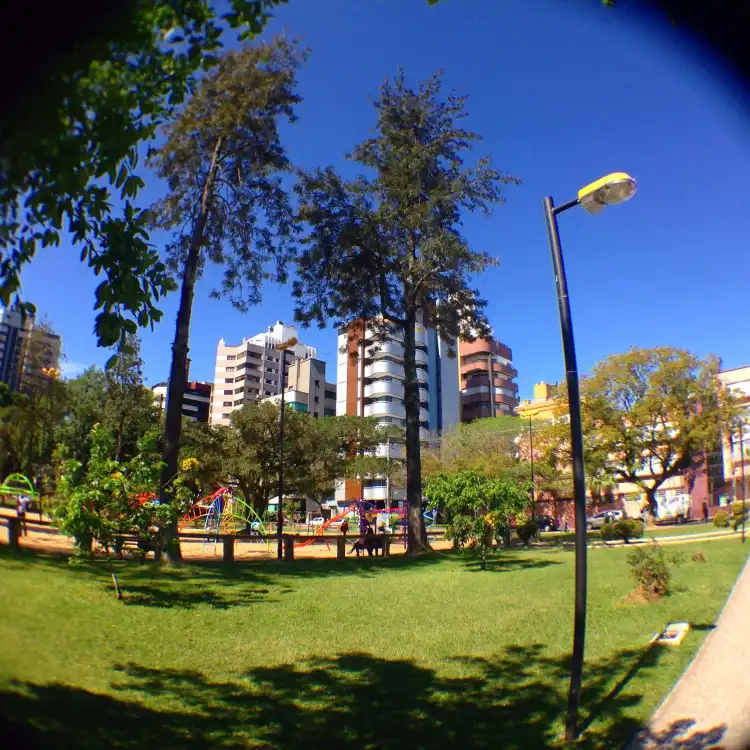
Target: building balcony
375 493
424 435
397 451
393 388
421 356
385 409
421 334
386 348
374 369
422 376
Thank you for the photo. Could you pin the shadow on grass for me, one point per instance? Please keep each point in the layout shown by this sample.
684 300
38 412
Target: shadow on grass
506 564
349 702
212 584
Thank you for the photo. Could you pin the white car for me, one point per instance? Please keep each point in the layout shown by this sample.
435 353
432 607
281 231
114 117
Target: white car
597 521
319 521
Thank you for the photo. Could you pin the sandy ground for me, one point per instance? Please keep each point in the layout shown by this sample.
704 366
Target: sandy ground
45 539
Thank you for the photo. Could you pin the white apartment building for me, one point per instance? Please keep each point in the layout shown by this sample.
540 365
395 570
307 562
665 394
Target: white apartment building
247 372
370 383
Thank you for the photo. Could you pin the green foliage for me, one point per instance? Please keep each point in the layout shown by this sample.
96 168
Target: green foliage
388 246
652 570
647 414
107 498
527 531
739 512
627 529
721 519
475 506
245 454
76 147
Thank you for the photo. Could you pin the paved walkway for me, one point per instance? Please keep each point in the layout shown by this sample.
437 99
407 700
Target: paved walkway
709 707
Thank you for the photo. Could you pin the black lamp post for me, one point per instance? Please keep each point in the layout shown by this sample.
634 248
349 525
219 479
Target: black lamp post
614 188
282 347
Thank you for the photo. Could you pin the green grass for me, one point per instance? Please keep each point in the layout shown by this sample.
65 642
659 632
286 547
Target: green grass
390 654
652 532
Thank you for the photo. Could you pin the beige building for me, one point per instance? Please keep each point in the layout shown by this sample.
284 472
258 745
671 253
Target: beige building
736 454
307 389
250 371
542 406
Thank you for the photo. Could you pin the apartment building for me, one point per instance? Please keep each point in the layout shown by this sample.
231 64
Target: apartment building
247 372
196 400
736 451
370 383
25 349
488 387
307 389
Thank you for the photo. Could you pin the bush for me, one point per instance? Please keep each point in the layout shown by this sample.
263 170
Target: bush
607 532
651 569
628 529
527 532
738 512
698 557
721 519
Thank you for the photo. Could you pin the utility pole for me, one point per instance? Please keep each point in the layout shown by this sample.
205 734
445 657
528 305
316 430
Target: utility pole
531 454
388 473
742 479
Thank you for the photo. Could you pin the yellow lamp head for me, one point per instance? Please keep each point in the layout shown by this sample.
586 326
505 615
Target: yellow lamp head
607 191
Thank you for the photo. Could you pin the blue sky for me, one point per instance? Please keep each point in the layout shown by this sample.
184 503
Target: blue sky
563 92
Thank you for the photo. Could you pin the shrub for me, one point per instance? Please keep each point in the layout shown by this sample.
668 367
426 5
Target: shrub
698 557
738 512
721 519
628 529
527 532
607 532
651 569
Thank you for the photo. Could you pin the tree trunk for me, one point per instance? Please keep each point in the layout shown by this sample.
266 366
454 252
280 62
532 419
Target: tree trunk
177 376
653 505
416 533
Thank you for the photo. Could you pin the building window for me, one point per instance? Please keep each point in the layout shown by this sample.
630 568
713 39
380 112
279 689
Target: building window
317 384
228 393
228 403
231 356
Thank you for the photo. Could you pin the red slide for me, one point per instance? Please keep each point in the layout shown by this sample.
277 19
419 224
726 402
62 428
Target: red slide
323 527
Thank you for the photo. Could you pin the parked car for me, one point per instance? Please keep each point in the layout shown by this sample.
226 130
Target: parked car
597 521
318 521
548 523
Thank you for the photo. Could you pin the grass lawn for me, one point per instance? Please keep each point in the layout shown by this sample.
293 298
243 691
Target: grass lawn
390 654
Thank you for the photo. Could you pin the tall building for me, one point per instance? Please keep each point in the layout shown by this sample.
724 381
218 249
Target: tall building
25 348
370 383
488 388
307 389
249 371
196 400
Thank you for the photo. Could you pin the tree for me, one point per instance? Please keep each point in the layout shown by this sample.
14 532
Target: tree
78 139
649 415
128 410
388 248
222 160
476 506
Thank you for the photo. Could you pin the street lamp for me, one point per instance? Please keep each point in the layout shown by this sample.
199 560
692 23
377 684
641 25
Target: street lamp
614 188
282 347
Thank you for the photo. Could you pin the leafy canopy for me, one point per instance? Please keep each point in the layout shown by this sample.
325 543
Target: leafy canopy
69 158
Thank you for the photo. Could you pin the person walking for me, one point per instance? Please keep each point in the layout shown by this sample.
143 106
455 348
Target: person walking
22 505
705 512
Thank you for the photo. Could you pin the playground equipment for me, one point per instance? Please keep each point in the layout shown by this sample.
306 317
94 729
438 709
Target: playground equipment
223 512
15 485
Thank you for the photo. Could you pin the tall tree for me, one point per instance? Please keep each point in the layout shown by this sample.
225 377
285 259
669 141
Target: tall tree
222 159
649 415
389 248
74 139
128 410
